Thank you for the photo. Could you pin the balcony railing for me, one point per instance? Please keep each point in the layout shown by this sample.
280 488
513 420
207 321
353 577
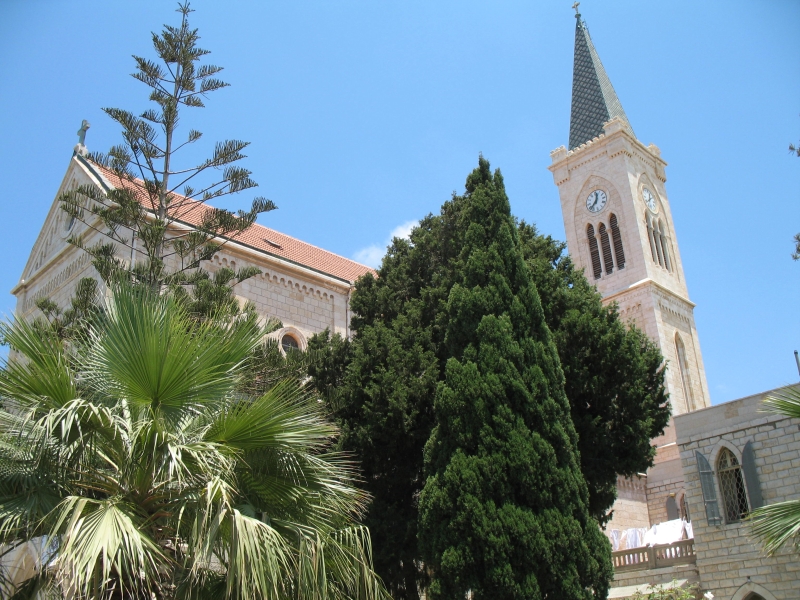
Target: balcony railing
654 557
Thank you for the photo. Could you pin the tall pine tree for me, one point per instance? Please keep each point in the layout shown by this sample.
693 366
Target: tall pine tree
142 217
504 510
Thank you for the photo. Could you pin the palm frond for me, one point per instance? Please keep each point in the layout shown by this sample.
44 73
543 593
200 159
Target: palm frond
104 540
43 376
285 417
776 524
784 402
149 355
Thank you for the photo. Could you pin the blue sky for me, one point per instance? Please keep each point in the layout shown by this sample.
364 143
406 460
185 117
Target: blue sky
365 116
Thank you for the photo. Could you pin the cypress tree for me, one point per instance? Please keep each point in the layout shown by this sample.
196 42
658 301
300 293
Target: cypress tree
381 386
504 509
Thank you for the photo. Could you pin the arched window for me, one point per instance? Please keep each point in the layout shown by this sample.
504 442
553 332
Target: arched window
662 238
605 244
657 240
672 508
619 253
288 343
594 251
731 485
651 237
686 381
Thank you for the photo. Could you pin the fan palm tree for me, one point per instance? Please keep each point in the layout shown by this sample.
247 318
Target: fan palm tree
775 524
131 457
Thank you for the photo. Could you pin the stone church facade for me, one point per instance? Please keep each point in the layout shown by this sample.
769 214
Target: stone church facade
305 287
620 230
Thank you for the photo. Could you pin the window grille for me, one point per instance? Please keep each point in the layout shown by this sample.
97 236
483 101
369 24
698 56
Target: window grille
605 244
731 485
288 343
595 252
616 237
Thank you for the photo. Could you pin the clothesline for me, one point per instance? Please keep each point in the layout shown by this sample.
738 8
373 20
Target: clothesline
662 533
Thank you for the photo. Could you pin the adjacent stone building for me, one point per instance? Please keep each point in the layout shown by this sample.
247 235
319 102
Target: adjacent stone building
735 457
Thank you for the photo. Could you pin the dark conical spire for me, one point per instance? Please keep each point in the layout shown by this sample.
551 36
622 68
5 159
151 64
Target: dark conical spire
594 101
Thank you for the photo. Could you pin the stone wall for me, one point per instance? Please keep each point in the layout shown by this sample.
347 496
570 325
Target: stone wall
630 507
727 559
306 301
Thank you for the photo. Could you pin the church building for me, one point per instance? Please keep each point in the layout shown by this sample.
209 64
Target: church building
714 464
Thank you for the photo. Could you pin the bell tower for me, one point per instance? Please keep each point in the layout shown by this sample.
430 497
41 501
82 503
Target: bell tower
619 224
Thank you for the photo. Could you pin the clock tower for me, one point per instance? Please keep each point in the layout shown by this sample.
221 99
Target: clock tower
619 226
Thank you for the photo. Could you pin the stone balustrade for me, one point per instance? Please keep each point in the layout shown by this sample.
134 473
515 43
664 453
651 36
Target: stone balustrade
654 557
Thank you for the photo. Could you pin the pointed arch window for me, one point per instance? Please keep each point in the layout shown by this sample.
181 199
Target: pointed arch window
605 244
686 381
662 239
594 251
731 485
657 241
616 237
651 237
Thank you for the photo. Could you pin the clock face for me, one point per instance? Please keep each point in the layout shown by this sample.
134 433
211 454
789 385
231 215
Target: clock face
596 201
649 199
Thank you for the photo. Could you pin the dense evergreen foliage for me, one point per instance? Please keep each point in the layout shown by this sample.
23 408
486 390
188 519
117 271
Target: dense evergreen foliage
614 373
503 511
381 386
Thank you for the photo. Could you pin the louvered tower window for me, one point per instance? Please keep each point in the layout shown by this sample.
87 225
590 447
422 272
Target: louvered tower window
651 237
605 244
686 380
662 238
657 241
731 485
594 251
616 237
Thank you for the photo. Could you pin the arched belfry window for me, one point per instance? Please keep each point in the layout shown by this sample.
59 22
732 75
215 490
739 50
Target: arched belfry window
594 251
605 244
731 486
662 238
686 381
657 240
616 237
651 237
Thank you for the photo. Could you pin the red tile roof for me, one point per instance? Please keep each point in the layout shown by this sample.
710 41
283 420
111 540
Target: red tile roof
260 238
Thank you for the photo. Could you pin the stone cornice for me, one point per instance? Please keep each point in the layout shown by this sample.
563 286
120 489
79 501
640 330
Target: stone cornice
643 283
614 132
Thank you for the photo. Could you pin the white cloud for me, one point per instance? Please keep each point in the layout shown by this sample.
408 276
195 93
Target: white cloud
403 231
372 255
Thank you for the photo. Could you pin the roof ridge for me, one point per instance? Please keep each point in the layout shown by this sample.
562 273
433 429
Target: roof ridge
303 254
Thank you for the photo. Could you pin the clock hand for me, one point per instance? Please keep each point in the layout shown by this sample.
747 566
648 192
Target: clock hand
595 199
